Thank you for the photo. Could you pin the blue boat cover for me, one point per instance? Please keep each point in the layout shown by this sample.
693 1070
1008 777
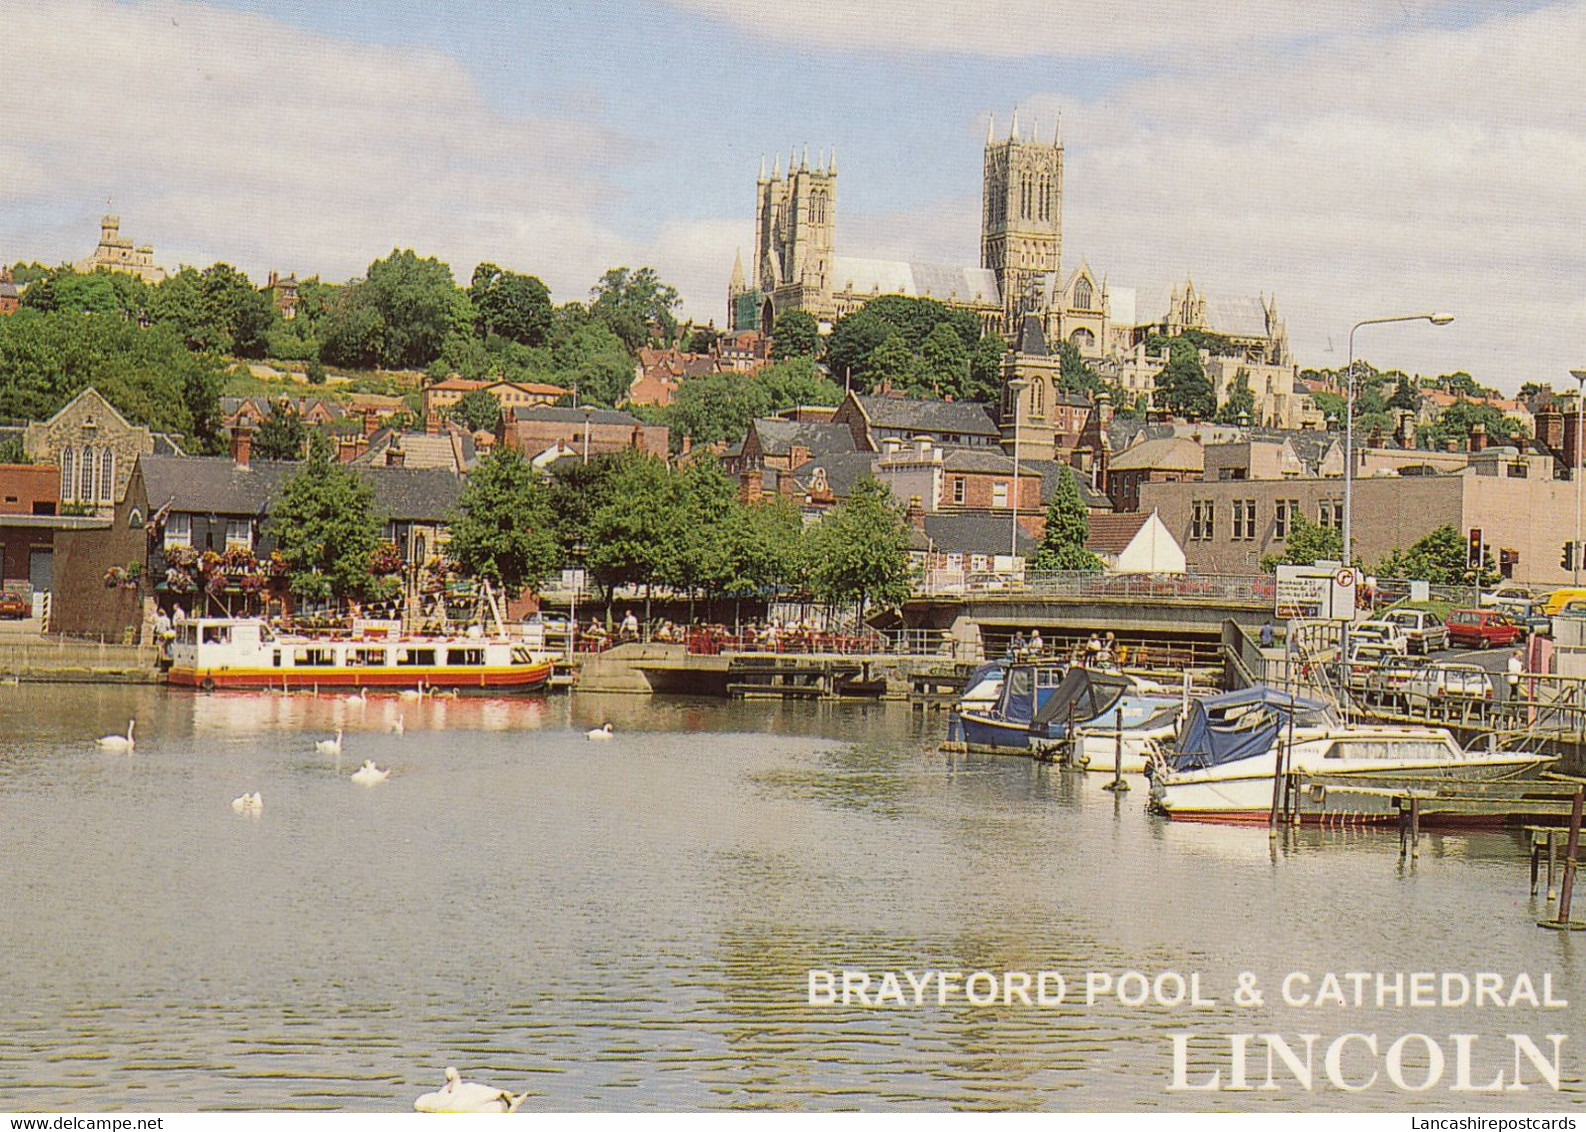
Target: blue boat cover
1241 725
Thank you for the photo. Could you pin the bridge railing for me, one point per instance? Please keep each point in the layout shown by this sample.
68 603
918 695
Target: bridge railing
890 642
1245 589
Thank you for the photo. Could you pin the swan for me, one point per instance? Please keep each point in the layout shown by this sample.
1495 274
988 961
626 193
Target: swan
369 774
118 742
248 803
357 697
329 746
458 1095
602 732
399 726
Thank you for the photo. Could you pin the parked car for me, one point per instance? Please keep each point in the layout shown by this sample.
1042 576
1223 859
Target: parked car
1366 660
14 604
1386 633
1506 593
1423 631
1558 599
1446 684
1482 628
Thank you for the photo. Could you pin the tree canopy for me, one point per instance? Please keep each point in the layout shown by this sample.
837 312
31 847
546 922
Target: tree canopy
325 527
504 530
1307 542
282 435
859 551
1067 529
477 409
1442 558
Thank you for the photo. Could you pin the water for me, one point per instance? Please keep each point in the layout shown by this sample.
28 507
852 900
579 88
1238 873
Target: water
630 925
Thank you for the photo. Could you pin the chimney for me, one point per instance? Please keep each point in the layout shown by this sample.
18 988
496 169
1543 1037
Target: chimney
922 447
1104 408
1452 445
637 439
1570 446
688 443
1406 428
241 444
915 512
890 446
1374 438
371 423
1550 428
1478 437
751 486
273 280
432 424
395 457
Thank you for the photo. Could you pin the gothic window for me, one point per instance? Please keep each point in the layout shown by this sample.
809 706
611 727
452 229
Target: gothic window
85 475
1082 295
68 475
107 476
1038 398
1082 340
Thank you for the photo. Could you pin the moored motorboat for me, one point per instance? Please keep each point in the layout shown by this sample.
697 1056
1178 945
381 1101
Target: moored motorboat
1223 765
1101 745
1005 726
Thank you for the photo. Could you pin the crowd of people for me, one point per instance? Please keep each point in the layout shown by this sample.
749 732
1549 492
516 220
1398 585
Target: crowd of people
1096 652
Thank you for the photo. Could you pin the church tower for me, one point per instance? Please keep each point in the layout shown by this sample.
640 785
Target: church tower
795 226
1021 222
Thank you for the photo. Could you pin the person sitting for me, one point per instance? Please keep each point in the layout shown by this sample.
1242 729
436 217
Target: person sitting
1037 646
629 630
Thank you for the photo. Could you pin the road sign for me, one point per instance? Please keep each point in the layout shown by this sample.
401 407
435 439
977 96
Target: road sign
1321 592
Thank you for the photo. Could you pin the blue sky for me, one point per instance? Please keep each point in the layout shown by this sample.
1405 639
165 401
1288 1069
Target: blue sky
1353 157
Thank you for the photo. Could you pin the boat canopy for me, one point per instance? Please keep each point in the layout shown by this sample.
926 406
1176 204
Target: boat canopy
1241 725
1090 691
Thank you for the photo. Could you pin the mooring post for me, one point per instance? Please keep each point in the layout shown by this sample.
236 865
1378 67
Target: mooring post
1567 889
1117 785
1404 828
1552 884
1277 793
1536 858
1415 826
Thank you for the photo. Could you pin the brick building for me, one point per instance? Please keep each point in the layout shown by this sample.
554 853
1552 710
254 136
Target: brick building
94 449
533 430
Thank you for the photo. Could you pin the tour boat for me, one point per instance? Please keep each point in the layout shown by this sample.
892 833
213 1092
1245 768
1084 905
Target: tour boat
1223 765
211 653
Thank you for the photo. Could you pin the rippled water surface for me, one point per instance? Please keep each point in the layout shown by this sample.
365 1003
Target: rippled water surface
629 925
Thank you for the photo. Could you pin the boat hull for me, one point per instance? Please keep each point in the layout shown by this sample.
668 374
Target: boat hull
989 735
1242 792
493 680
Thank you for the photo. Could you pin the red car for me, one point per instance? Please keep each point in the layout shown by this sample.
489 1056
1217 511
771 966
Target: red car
13 604
1482 628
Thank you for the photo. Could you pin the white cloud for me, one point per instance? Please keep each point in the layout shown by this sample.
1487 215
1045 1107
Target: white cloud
220 135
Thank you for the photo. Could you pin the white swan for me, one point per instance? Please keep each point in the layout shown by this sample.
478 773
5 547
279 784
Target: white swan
118 742
458 1095
369 774
329 746
248 803
357 697
399 727
602 732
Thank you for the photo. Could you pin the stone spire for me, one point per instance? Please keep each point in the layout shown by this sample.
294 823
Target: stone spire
762 168
1013 133
736 283
832 168
805 163
991 128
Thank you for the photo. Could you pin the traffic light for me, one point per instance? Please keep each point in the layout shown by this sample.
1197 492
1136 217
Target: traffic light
1473 553
1567 559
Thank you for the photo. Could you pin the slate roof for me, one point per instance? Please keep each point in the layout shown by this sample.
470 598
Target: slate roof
900 277
843 471
1112 534
777 437
422 450
919 414
560 415
986 460
1050 469
215 485
976 534
1031 341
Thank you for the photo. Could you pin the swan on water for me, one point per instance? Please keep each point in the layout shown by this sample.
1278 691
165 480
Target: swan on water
369 774
458 1095
399 726
602 732
248 803
118 742
357 697
329 746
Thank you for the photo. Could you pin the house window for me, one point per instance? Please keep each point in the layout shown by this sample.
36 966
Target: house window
958 490
239 532
1203 516
999 495
1244 519
1330 513
1283 514
179 530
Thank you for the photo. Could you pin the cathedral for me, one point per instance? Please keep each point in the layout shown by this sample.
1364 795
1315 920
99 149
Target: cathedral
796 265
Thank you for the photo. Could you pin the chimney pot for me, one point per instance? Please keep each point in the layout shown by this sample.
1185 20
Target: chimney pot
395 457
371 423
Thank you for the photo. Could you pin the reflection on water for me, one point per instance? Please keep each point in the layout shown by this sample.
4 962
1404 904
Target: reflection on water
631 924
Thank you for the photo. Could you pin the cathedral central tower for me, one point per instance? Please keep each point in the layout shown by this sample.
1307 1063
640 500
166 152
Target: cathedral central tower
1021 222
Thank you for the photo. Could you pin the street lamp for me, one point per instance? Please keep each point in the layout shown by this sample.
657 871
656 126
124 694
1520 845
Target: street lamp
578 550
586 435
1575 471
1016 388
1349 419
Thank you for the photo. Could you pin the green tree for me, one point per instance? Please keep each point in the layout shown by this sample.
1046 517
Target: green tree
944 361
631 535
1441 558
325 526
1067 529
398 316
984 383
1405 395
517 307
761 548
1241 401
796 335
1455 423
797 381
234 316
892 365
100 292
631 302
702 339
1075 374
853 339
1182 386
859 552
476 409
504 531
282 435
12 452
716 406
702 498
1307 542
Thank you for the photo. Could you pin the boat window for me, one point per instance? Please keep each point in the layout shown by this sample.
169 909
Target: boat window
1382 749
314 657
521 655
1048 677
217 634
366 658
465 656
416 657
276 658
1020 682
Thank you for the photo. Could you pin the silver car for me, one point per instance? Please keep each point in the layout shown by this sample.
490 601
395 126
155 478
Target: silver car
1423 631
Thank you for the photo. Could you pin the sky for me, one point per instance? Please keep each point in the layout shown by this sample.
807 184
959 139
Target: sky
1353 158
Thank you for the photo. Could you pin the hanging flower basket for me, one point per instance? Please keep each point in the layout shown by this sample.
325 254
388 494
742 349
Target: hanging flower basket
385 559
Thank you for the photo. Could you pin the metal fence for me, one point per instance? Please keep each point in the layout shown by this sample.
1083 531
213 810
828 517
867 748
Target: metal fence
1244 589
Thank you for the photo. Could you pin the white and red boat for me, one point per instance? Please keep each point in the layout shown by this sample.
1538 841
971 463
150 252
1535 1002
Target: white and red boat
222 652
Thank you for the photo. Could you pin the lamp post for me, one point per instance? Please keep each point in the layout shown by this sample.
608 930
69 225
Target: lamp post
1575 471
1349 419
1016 388
586 435
578 550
